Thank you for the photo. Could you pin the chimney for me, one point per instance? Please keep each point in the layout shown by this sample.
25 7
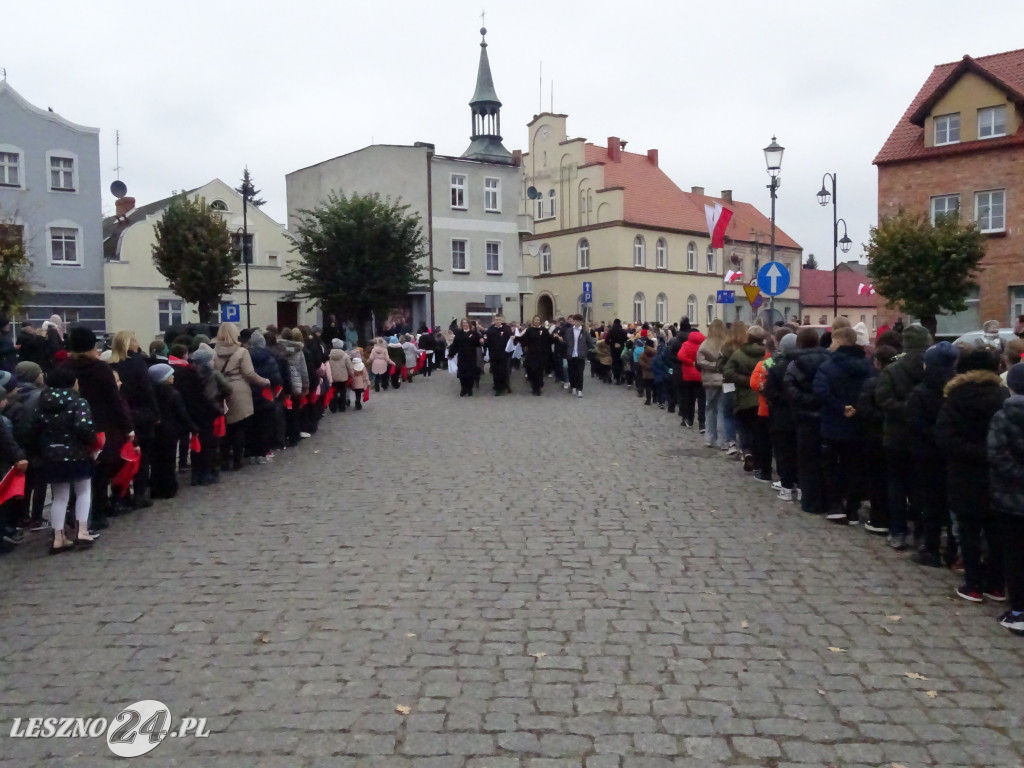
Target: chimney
697 190
652 157
614 149
517 158
727 195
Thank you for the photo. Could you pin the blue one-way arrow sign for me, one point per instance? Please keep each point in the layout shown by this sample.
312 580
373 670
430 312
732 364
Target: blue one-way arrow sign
773 278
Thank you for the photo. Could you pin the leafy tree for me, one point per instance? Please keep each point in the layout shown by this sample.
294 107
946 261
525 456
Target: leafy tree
358 255
811 263
15 269
924 270
248 189
193 251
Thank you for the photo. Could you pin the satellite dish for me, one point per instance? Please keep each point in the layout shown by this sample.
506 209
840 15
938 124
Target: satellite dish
532 193
118 189
736 260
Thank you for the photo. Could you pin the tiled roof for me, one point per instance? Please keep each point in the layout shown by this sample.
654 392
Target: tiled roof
113 227
816 289
653 199
906 142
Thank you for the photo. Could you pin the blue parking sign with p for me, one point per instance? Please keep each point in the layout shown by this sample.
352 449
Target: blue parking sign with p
230 313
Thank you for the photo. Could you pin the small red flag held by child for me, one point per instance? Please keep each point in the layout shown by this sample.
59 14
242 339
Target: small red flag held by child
220 426
12 486
194 445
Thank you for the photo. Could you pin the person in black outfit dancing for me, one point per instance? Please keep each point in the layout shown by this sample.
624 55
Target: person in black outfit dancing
536 343
465 345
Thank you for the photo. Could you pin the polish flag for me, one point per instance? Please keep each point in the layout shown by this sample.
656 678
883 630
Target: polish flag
718 219
732 276
865 288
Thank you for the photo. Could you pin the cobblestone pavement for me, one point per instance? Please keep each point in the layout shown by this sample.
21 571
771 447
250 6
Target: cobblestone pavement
543 582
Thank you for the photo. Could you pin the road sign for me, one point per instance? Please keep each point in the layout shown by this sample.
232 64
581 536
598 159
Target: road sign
230 313
753 295
726 297
588 292
773 278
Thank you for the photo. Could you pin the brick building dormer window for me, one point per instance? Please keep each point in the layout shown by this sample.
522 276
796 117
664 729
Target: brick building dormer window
947 129
992 122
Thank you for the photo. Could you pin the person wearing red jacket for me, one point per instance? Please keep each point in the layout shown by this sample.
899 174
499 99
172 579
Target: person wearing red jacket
692 384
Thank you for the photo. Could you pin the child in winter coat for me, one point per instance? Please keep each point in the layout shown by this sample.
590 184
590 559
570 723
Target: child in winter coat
340 365
175 425
64 440
627 362
645 371
1006 467
379 363
359 381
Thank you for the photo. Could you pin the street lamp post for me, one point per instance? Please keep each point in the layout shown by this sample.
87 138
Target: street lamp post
773 161
246 251
837 244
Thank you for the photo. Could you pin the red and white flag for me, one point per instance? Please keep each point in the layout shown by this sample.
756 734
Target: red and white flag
732 276
865 288
718 219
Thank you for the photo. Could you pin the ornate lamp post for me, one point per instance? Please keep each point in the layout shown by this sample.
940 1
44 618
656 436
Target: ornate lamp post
843 243
773 161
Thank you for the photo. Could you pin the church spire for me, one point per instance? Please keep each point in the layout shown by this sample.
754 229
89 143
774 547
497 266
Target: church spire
485 140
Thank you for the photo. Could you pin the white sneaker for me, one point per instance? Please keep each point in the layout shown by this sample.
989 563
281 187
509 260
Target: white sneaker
733 450
574 390
777 486
786 494
304 435
566 386
580 393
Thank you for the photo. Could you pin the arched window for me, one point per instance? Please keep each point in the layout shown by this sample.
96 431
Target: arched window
711 260
691 256
583 254
639 308
545 258
661 308
661 254
639 252
710 310
691 309
552 208
218 205
582 210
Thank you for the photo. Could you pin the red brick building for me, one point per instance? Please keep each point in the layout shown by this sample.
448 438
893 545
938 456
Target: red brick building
856 302
960 147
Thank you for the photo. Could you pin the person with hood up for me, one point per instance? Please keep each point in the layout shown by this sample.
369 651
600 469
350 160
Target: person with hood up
412 356
660 367
233 361
296 386
396 354
1005 449
737 371
894 386
837 384
64 437
53 329
645 369
691 388
922 410
379 363
340 365
973 398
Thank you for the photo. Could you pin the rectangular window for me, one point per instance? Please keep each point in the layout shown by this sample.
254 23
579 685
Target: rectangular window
491 195
62 174
63 245
493 258
991 122
709 312
945 205
169 312
552 206
459 254
458 191
947 129
711 260
538 208
10 169
990 210
236 248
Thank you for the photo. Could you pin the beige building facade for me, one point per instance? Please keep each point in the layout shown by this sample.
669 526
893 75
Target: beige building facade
138 297
613 219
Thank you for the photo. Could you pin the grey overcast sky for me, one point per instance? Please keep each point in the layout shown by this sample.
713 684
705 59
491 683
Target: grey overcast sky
198 89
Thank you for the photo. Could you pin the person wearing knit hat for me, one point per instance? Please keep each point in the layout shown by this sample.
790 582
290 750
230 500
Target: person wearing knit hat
894 386
80 339
28 371
1006 468
7 383
961 429
160 373
337 344
922 410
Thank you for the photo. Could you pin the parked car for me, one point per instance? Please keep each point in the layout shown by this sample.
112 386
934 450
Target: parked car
975 338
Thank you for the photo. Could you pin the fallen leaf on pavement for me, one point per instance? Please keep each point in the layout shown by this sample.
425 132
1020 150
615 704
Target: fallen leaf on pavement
538 655
836 649
402 709
931 694
916 676
821 692
898 765
263 639
894 618
744 624
410 634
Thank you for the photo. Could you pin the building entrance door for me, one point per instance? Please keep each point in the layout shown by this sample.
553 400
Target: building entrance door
287 314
